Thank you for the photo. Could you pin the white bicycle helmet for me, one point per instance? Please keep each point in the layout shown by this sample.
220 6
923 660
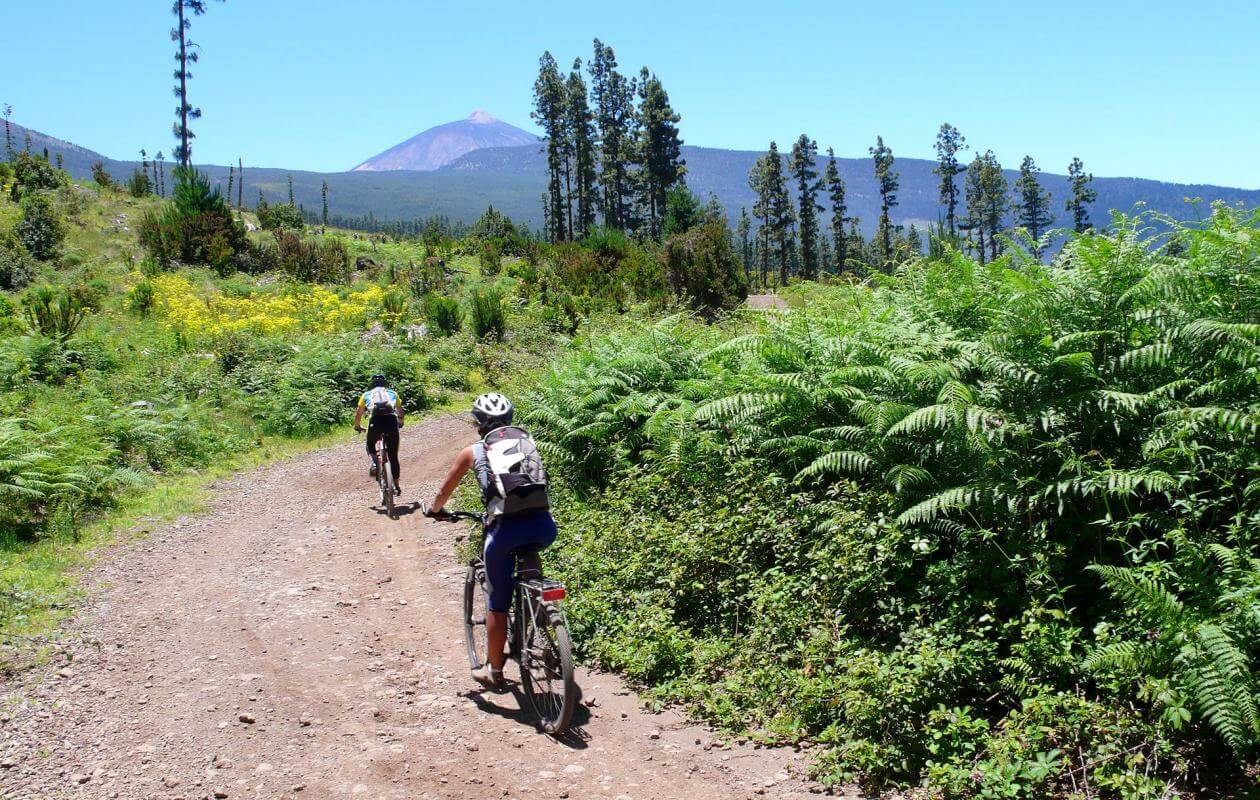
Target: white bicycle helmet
492 410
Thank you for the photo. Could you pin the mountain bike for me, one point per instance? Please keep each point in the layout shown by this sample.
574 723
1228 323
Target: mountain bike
385 478
538 634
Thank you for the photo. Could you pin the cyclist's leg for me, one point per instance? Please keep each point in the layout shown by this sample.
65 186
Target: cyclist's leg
500 562
373 433
391 443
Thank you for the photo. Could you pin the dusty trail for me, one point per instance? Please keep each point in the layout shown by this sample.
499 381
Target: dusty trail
292 642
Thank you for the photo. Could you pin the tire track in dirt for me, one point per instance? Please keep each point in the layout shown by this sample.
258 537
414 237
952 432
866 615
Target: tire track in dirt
293 642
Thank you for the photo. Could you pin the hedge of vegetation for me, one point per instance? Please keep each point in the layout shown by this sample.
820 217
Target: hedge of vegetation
988 531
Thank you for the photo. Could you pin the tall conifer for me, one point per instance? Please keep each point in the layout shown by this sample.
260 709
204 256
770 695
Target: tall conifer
550 102
889 182
1082 196
949 143
188 53
839 211
1032 203
659 148
805 171
581 133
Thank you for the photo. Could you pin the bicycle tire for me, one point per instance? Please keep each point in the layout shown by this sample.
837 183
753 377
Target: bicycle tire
475 636
387 488
555 701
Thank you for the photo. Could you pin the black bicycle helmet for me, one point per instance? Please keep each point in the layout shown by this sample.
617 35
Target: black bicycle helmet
379 380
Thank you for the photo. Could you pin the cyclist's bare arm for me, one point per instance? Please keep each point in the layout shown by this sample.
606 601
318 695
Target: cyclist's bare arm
358 418
463 463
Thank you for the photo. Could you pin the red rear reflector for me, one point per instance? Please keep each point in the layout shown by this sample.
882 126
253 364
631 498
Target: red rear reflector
553 594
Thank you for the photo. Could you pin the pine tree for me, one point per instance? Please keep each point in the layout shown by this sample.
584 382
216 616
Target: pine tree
743 230
581 133
324 196
949 143
613 96
188 53
231 182
1032 204
914 242
973 188
889 182
8 134
291 203
835 191
774 208
240 184
993 200
1082 196
659 148
761 210
549 108
858 256
161 174
805 171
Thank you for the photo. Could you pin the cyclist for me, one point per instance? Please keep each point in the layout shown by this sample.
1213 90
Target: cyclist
531 529
385 419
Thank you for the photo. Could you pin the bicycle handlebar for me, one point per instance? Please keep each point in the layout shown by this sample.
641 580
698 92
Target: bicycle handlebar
452 516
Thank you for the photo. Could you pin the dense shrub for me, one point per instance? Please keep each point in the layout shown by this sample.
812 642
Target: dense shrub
318 387
989 528
140 298
279 217
323 261
16 265
609 266
55 311
139 184
33 173
485 307
443 315
704 270
490 258
101 176
196 227
40 229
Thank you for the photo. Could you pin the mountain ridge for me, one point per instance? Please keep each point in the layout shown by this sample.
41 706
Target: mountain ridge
513 178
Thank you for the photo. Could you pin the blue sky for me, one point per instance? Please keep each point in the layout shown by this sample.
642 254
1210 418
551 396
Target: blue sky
1167 90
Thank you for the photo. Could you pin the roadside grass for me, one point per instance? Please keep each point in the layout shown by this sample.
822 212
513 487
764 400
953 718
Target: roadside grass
46 576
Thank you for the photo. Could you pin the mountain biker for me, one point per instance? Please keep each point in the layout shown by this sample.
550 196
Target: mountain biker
531 529
385 419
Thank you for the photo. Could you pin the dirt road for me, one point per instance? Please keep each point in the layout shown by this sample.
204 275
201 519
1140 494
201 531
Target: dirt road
292 642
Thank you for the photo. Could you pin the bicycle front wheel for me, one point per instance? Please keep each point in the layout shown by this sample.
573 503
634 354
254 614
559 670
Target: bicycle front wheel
475 605
547 668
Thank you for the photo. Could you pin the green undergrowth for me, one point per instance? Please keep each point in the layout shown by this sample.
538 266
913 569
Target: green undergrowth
975 531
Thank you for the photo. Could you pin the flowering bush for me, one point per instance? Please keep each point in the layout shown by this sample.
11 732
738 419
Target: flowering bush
314 309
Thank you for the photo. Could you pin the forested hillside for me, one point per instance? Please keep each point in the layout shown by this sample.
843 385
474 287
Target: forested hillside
512 178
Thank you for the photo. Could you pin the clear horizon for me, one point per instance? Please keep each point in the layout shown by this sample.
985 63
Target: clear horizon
1170 95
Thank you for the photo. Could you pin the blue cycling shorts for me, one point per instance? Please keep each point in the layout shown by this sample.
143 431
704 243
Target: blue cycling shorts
534 530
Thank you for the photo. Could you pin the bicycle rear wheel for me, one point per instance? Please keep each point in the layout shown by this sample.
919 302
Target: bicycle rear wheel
475 619
387 488
547 666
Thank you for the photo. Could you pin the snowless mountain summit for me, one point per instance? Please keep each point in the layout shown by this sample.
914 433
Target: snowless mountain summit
440 145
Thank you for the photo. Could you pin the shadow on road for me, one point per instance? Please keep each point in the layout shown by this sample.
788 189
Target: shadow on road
400 511
576 737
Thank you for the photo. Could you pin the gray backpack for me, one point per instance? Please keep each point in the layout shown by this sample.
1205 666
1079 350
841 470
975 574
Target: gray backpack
511 473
